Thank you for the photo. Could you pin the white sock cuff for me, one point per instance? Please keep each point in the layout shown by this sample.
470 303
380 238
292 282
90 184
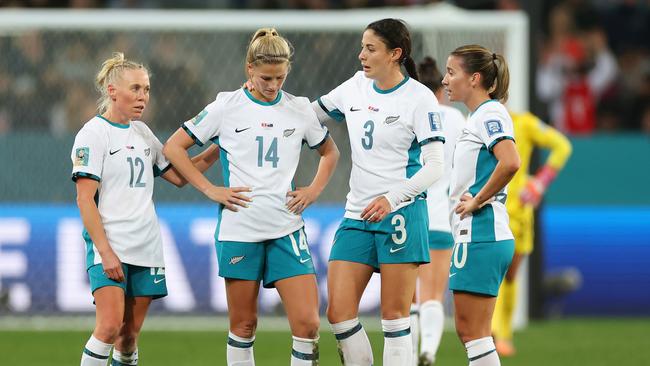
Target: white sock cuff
123 356
240 342
344 326
98 347
415 309
432 304
396 325
305 340
479 347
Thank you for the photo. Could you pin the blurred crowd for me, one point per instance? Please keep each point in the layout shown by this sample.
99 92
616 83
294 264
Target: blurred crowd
593 70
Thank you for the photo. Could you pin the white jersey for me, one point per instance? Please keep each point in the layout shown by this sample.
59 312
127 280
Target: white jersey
474 163
260 146
386 129
124 159
438 193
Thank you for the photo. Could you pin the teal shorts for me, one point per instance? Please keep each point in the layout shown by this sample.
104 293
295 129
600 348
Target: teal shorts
139 281
401 237
480 267
267 261
440 240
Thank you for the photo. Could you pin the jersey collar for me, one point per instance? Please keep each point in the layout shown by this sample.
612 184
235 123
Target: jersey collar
273 102
386 91
118 125
480 105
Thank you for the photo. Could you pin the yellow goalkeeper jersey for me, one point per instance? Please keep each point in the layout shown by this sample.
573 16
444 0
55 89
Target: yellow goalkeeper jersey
531 132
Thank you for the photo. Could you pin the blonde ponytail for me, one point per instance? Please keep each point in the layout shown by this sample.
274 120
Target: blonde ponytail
268 47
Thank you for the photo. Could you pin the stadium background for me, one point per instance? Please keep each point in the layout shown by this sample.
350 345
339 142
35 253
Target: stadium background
593 227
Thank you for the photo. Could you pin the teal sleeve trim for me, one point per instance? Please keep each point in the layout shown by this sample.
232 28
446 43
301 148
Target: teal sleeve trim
497 140
432 139
327 134
196 140
335 114
157 172
78 175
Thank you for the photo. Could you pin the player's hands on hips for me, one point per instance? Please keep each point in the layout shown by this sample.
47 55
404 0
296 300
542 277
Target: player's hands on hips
112 266
377 210
533 192
467 205
301 198
230 197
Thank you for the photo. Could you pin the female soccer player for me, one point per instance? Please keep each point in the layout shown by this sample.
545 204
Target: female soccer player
428 316
485 160
115 159
525 193
393 121
260 235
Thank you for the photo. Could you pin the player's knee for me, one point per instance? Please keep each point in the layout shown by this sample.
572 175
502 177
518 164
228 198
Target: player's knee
392 314
307 327
244 328
337 313
108 331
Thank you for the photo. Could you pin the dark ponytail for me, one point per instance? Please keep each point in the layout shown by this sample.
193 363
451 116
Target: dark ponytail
395 34
429 74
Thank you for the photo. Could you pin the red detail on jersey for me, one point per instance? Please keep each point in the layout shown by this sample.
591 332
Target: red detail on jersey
267 125
373 108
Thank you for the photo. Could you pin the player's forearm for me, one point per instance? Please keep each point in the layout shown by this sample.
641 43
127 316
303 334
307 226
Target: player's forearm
180 160
432 170
502 175
327 165
93 223
206 158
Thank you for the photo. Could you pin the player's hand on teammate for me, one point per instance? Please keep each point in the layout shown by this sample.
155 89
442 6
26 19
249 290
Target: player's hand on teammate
301 198
377 210
112 266
229 197
467 205
532 192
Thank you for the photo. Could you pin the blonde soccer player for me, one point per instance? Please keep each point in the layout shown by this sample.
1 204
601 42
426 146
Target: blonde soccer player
115 159
260 236
427 313
525 194
485 160
396 138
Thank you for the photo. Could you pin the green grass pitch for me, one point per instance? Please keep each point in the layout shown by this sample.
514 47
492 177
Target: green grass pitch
590 342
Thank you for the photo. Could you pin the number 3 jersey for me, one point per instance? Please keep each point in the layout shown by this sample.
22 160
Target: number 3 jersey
386 129
124 159
260 145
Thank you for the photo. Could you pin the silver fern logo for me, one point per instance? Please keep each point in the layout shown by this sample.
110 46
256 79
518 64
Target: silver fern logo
235 260
288 132
391 119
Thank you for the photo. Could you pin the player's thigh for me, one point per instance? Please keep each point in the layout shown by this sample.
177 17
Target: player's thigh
346 282
108 297
299 296
473 315
135 311
286 257
434 276
242 300
397 289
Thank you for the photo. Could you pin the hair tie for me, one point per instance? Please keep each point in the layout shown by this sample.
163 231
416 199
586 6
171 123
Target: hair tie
494 56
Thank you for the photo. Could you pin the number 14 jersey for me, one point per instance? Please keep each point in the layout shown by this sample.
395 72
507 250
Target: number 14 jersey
260 145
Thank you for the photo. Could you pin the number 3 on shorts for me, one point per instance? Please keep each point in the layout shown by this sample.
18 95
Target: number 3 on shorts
400 229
